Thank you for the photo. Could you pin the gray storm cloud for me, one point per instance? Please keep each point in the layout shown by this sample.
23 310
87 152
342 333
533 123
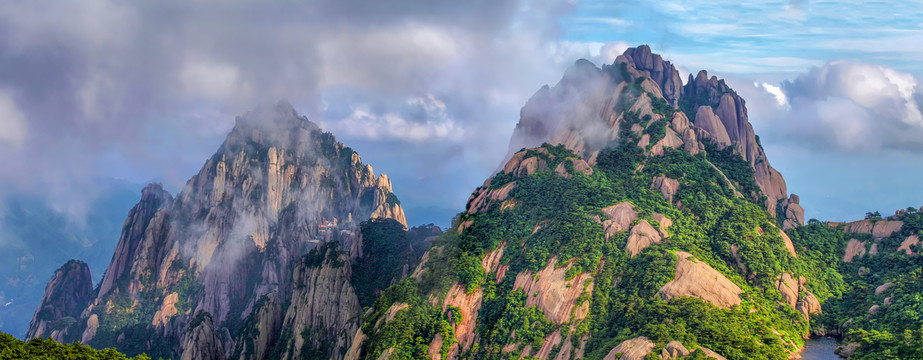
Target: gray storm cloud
148 89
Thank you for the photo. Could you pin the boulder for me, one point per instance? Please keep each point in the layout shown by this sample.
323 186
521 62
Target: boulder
696 279
667 186
883 288
674 350
631 349
711 354
620 216
642 235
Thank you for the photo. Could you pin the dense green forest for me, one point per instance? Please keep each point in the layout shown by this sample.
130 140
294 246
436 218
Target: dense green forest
875 302
718 215
12 348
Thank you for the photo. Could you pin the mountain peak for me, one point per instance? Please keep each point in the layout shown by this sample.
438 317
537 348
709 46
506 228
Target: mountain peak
585 110
278 118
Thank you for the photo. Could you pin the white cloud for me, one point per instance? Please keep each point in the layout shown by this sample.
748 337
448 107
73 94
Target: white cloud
13 128
843 106
776 91
611 50
423 119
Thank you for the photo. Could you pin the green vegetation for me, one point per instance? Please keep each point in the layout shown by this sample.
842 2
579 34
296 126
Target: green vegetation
556 216
387 249
736 168
848 290
13 348
409 333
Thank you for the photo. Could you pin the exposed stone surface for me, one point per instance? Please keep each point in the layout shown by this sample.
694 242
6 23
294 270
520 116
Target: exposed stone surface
66 294
267 323
667 186
711 354
619 218
555 298
861 227
696 279
673 350
853 249
787 241
709 126
883 288
642 235
885 228
166 311
797 295
654 67
323 304
631 349
808 304
578 112
909 243
468 305
201 342
794 213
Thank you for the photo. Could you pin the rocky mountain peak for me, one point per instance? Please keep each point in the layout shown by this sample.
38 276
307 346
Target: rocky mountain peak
662 72
586 108
66 294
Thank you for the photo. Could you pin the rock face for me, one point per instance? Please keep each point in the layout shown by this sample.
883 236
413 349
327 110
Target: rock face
632 349
667 186
201 342
276 188
265 323
854 248
662 72
642 235
66 294
323 305
908 244
556 299
697 279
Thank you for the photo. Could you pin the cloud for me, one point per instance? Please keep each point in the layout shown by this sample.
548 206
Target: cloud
857 106
781 99
148 89
13 127
611 50
423 119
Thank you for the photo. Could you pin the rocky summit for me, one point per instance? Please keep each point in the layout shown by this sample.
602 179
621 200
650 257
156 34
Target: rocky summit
211 272
634 217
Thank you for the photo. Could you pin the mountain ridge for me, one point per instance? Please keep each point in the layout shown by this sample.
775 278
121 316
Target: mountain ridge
616 227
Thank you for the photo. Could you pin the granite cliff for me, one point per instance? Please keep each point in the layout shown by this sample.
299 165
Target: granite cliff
214 272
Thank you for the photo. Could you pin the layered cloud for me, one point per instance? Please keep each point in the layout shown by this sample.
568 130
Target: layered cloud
842 106
148 89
